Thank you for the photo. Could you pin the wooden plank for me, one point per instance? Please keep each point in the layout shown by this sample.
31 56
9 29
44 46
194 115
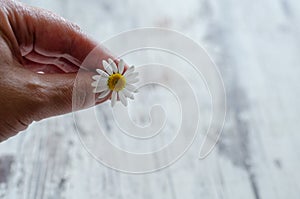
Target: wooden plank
256 46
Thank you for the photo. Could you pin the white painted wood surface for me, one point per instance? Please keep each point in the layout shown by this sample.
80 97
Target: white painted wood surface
256 46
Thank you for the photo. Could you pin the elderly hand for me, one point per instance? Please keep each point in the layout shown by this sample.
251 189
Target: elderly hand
40 54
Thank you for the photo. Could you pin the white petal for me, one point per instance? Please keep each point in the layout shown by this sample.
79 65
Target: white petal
129 70
103 79
107 67
113 98
96 77
100 88
127 93
122 98
94 83
102 73
99 82
131 88
132 75
121 66
104 94
113 65
132 81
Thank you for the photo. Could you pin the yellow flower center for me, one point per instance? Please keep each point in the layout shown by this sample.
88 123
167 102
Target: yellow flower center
116 82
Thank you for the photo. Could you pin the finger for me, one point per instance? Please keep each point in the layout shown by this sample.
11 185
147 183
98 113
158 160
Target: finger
67 92
61 63
41 68
52 36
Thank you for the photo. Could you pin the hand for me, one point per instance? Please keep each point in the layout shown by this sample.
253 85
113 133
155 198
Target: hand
35 41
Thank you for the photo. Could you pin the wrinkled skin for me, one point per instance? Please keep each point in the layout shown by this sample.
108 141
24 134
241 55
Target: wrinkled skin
34 40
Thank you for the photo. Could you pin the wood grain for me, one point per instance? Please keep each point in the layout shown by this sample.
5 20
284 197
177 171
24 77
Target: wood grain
256 46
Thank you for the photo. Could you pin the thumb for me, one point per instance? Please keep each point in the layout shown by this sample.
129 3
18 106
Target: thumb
64 93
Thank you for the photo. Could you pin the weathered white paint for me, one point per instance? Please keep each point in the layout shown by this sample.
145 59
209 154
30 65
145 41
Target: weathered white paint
256 46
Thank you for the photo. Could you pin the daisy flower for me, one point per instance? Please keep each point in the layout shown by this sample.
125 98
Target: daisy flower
116 81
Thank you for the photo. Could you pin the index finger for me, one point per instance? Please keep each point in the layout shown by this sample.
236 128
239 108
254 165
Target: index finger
49 35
